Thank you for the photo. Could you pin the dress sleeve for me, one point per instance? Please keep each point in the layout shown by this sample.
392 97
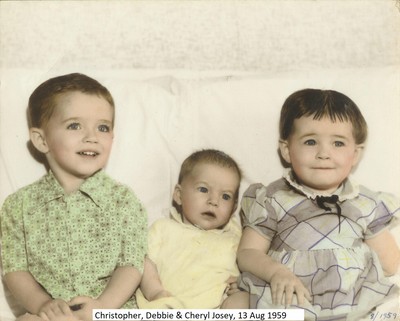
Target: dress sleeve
134 232
13 249
386 210
257 212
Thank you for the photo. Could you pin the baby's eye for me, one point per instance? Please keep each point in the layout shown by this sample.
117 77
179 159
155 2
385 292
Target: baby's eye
203 189
226 197
74 126
104 128
338 144
310 142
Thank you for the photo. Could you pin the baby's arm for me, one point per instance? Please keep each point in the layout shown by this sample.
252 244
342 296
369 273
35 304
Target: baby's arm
252 258
151 284
388 252
123 283
32 296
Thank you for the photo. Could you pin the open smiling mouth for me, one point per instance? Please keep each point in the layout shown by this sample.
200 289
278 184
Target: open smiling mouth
91 154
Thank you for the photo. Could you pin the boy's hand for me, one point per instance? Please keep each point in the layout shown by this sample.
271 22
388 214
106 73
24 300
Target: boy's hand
52 308
284 284
86 305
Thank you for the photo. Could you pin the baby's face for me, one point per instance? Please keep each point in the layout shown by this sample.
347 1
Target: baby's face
208 196
321 152
79 135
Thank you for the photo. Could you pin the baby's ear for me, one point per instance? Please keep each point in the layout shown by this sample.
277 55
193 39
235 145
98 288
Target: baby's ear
177 194
38 139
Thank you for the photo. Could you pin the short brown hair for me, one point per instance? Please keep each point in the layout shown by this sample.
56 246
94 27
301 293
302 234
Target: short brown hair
44 98
322 103
208 156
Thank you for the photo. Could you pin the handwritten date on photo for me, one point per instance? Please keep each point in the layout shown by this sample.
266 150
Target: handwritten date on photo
393 316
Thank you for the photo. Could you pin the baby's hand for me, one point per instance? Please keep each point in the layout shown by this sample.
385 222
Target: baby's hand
161 294
284 284
54 309
232 286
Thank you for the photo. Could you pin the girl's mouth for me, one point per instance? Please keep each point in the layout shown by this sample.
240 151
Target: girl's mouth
209 214
88 153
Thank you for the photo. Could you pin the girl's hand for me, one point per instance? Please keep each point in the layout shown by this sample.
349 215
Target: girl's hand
284 284
86 305
52 308
232 286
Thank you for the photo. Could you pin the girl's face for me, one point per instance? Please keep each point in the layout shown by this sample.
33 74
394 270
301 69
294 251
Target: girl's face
321 152
208 196
78 137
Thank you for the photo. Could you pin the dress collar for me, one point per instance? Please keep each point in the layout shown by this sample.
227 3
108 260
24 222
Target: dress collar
347 190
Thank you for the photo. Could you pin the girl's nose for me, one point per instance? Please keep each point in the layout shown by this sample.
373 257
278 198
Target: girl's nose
213 200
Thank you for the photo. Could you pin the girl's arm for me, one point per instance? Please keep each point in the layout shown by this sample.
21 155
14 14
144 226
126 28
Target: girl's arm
151 284
388 252
252 258
31 295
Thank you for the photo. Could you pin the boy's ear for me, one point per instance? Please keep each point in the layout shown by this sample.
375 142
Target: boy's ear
284 149
177 194
38 139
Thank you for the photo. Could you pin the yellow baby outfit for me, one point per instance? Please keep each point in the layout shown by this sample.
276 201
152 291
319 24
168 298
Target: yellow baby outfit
193 264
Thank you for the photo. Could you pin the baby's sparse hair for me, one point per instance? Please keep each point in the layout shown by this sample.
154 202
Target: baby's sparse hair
208 156
322 103
44 98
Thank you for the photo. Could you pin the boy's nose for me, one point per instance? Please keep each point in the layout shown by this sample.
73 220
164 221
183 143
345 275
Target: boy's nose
90 136
323 153
213 201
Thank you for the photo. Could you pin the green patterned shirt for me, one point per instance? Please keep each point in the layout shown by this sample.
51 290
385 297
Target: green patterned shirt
71 244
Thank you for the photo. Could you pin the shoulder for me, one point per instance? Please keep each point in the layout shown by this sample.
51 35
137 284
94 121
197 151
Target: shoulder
375 199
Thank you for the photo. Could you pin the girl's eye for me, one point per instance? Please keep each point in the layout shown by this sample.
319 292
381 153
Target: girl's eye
74 126
338 144
203 189
226 197
104 128
310 142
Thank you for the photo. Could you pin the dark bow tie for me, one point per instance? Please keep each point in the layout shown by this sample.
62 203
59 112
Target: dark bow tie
323 200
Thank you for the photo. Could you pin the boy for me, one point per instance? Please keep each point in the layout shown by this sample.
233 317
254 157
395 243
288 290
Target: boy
75 239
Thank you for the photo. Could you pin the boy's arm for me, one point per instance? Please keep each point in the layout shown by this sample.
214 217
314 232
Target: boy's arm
252 258
27 291
388 252
151 283
123 283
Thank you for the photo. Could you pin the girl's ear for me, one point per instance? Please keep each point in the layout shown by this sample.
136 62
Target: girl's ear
284 149
177 194
358 154
38 139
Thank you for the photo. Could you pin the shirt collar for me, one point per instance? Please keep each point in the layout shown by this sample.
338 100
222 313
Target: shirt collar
347 190
90 187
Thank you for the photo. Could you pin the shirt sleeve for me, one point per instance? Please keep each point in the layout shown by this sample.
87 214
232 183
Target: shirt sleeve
386 210
13 249
257 212
134 232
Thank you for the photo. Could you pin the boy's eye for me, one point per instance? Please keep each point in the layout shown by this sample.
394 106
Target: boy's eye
104 128
338 144
310 142
203 189
226 197
74 126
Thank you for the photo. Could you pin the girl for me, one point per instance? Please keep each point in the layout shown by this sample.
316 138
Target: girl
315 238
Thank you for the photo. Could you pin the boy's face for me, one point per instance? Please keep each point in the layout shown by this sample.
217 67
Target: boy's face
321 152
78 137
208 196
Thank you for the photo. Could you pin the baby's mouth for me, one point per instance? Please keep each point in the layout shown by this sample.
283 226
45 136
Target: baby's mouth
209 214
88 153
